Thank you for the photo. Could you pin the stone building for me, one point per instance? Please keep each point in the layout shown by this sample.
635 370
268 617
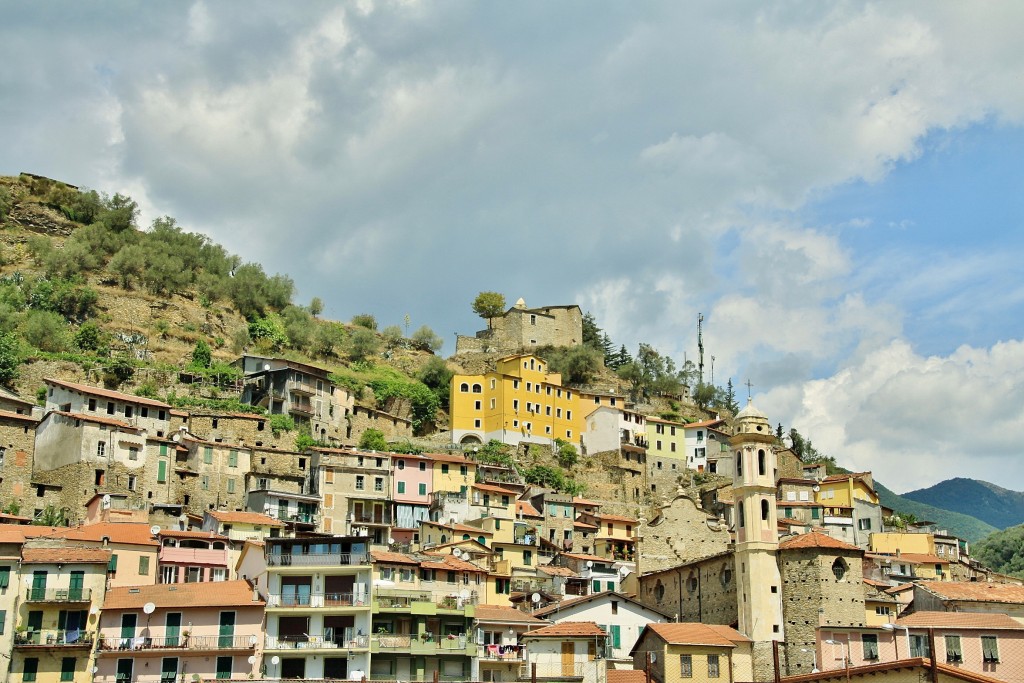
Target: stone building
393 427
17 447
681 530
521 328
701 590
240 428
355 487
212 474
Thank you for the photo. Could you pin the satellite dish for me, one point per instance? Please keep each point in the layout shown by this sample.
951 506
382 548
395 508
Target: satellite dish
155 529
252 641
535 598
590 563
176 438
106 500
457 552
275 660
149 608
266 367
815 488
623 570
252 660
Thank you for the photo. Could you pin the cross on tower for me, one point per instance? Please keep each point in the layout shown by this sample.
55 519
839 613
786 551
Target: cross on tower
749 387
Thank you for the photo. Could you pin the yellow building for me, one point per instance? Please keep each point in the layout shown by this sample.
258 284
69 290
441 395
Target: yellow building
891 543
452 472
519 402
665 439
614 537
62 590
879 607
902 557
694 652
841 490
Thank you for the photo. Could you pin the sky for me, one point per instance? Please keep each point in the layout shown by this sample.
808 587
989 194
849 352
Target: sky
836 187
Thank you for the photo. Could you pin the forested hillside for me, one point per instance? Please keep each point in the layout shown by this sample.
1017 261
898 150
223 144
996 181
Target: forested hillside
992 504
958 524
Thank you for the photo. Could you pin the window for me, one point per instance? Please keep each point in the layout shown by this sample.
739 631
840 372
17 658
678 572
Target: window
953 651
401 487
527 557
168 670
476 424
208 455
67 669
101 449
112 565
143 565
870 642
464 388
713 670
615 606
764 510
864 524
161 472
231 485
686 666
401 464
423 489
133 453
742 520
30 668
205 483
220 574
739 464
124 671
919 646
882 610
989 649
423 466
110 408
233 458
360 482
224 667
515 404
444 469
761 464
492 404
378 483
464 470
3 620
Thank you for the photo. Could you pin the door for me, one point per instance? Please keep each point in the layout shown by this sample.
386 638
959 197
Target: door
227 629
124 671
35 625
38 585
172 629
357 512
77 584
169 669
378 514
568 657
282 510
128 623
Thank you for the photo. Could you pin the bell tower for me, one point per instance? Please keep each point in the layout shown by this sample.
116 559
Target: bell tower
758 583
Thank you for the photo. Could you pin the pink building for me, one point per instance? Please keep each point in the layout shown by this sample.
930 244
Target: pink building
982 643
192 557
412 481
173 632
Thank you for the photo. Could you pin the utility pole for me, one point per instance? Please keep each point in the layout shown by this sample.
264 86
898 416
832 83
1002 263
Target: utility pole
700 349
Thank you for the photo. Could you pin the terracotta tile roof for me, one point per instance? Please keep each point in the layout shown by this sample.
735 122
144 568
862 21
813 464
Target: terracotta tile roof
584 525
798 504
586 503
593 558
389 557
557 571
67 555
17 416
899 588
256 518
106 393
815 539
174 595
128 533
526 509
452 563
975 591
871 670
109 421
614 518
844 477
505 613
205 535
693 633
922 558
568 629
14 518
490 488
789 521
449 457
979 620
704 423
626 676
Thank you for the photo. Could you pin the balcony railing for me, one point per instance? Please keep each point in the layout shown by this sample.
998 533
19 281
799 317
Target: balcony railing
527 586
296 517
452 599
328 640
316 559
54 638
422 640
58 594
359 597
193 555
371 518
179 642
503 653
438 499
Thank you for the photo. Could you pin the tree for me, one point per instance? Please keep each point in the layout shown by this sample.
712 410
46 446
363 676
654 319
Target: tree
608 349
576 364
316 306
566 453
425 338
6 202
591 333
703 395
46 331
201 356
10 358
730 398
365 320
298 326
373 440
489 305
119 212
128 264
89 337
328 337
363 344
392 335
437 377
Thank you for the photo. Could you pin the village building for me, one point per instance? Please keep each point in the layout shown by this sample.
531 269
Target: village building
521 328
571 649
501 654
708 653
193 557
355 487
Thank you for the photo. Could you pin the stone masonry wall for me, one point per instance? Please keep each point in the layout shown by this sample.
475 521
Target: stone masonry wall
681 531
703 591
17 439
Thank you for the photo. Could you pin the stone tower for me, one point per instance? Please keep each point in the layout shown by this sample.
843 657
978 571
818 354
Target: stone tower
759 585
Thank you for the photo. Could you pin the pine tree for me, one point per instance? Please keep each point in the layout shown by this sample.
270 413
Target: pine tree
730 398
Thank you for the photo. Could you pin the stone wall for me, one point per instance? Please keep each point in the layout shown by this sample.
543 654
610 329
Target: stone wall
680 532
703 591
250 430
17 441
393 427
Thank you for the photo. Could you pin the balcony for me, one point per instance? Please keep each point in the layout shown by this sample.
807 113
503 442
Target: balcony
328 640
359 597
316 559
53 638
426 602
439 499
178 642
203 556
384 518
302 407
527 586
294 517
58 595
422 644
503 653
301 388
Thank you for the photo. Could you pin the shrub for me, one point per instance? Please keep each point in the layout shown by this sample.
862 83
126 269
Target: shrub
201 356
365 320
281 423
363 344
426 339
10 358
46 331
566 453
89 337
128 265
373 440
268 331
392 335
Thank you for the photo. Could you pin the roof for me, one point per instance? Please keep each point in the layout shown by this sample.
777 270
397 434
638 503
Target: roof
981 620
585 502
557 571
392 558
224 516
129 533
109 421
972 591
490 488
626 676
581 556
204 535
14 518
704 423
174 595
450 562
693 633
815 539
526 509
873 669
568 603
505 613
449 457
17 416
568 629
106 393
613 518
67 555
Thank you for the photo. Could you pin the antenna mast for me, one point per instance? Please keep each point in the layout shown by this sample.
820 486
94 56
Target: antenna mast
700 348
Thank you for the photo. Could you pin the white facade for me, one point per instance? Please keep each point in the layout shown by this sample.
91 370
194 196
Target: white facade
64 439
602 430
621 618
141 413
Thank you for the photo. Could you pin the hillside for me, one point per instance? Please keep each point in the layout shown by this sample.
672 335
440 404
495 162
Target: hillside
1003 551
1002 508
958 524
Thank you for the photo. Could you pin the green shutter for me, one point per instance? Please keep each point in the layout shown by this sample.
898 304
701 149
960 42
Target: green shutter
207 455
597 586
444 469
3 620
112 567
616 636
5 577
423 489
401 487
161 472
233 458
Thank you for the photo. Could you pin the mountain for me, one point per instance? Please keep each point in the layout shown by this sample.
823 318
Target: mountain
1003 551
959 524
1002 508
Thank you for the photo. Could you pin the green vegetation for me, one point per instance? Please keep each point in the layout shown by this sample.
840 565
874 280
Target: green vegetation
489 305
10 358
958 524
228 405
577 364
541 475
426 339
495 452
281 423
566 453
1002 551
995 505
373 440
437 377
365 320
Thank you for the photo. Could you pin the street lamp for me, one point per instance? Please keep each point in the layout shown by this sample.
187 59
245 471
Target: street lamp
814 659
894 628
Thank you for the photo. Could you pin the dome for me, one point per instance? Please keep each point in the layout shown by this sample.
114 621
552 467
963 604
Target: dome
749 411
